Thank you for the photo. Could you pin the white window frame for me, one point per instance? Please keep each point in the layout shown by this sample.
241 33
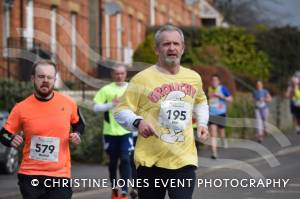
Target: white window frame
129 32
6 29
152 12
139 31
73 40
53 31
107 35
128 55
119 36
29 31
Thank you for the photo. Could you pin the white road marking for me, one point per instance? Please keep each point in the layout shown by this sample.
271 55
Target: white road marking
288 150
90 192
294 185
283 191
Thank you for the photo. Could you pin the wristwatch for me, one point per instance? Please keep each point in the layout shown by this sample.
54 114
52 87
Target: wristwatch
136 123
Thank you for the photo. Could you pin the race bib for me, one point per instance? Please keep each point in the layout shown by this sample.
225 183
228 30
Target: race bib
214 102
296 102
44 148
260 104
175 115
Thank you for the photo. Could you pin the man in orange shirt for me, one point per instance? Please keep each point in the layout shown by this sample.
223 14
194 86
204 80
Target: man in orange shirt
46 119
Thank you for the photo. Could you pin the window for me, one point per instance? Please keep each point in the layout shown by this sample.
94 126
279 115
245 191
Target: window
53 32
209 22
73 40
29 24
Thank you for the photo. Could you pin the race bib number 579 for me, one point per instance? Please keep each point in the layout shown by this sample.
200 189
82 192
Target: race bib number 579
44 148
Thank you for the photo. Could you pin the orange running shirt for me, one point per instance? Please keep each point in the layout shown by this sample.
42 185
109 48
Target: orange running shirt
46 126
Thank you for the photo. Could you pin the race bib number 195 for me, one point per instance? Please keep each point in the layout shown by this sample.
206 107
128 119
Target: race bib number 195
175 114
44 148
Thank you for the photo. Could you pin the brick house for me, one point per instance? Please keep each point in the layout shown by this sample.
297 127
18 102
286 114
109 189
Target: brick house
124 23
79 33
58 29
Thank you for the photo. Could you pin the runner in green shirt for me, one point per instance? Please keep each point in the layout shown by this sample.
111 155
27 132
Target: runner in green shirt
118 142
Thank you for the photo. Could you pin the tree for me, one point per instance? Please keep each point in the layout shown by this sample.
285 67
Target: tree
248 13
237 50
145 52
283 48
12 92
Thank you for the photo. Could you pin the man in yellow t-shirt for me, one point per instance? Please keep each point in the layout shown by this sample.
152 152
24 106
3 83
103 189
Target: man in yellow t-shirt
159 103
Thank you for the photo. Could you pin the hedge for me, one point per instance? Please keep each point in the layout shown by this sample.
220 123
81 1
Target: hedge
12 91
91 148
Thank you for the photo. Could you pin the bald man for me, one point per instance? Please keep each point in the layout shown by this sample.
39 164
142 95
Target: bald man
118 141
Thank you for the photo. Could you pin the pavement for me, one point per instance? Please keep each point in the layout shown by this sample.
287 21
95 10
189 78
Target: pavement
277 156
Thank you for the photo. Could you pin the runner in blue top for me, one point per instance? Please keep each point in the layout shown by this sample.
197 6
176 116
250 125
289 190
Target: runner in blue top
262 97
218 97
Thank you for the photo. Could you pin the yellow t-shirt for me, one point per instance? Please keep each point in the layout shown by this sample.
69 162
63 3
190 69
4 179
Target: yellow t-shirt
166 102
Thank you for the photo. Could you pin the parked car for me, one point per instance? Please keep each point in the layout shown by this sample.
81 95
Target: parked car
9 156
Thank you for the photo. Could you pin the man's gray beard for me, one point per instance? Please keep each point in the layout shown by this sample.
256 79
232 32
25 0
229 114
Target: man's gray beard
172 62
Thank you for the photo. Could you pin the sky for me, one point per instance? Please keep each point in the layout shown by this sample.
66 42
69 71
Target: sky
288 9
